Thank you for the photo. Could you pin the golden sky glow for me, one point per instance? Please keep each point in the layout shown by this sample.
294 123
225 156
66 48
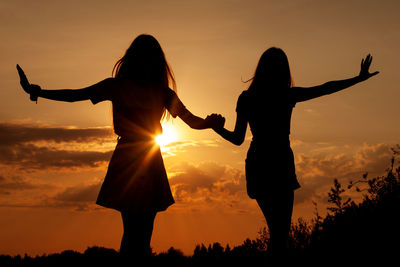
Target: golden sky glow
53 156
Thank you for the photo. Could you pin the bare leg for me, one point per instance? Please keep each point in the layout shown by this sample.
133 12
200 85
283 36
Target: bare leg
277 210
138 229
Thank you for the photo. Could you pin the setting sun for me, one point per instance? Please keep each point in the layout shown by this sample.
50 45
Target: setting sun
168 136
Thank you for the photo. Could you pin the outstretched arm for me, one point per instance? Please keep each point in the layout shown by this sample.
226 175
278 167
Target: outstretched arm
238 134
198 123
176 108
303 93
67 95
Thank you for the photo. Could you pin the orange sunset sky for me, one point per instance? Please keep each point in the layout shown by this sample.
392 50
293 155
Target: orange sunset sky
53 155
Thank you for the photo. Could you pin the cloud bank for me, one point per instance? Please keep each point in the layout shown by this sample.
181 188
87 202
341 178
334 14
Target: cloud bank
29 149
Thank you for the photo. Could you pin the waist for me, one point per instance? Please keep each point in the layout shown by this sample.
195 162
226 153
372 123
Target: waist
136 139
269 146
271 141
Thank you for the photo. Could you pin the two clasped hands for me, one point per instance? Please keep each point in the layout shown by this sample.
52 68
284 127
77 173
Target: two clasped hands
215 121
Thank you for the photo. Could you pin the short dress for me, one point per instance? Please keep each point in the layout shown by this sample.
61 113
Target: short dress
136 179
269 165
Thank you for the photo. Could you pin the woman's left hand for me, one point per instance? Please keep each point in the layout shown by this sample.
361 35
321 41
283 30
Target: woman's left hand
364 72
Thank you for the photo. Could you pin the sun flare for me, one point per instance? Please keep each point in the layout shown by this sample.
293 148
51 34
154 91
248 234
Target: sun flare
168 136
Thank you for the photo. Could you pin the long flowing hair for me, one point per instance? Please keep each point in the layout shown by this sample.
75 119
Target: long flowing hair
144 63
272 72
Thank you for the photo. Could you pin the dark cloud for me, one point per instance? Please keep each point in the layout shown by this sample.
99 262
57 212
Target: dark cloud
33 157
208 183
15 183
80 193
17 133
80 197
29 146
193 179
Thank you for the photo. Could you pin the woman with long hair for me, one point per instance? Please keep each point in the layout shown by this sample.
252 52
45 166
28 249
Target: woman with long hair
136 182
267 107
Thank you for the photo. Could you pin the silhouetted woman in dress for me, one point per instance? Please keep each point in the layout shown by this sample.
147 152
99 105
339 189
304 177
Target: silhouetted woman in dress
267 107
136 182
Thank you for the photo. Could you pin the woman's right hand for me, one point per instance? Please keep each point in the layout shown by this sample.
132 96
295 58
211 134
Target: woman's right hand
364 72
31 89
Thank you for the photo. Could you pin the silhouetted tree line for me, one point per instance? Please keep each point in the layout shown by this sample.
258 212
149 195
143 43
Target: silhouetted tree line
363 232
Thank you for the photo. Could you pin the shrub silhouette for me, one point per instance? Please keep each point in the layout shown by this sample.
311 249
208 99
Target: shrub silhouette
369 228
